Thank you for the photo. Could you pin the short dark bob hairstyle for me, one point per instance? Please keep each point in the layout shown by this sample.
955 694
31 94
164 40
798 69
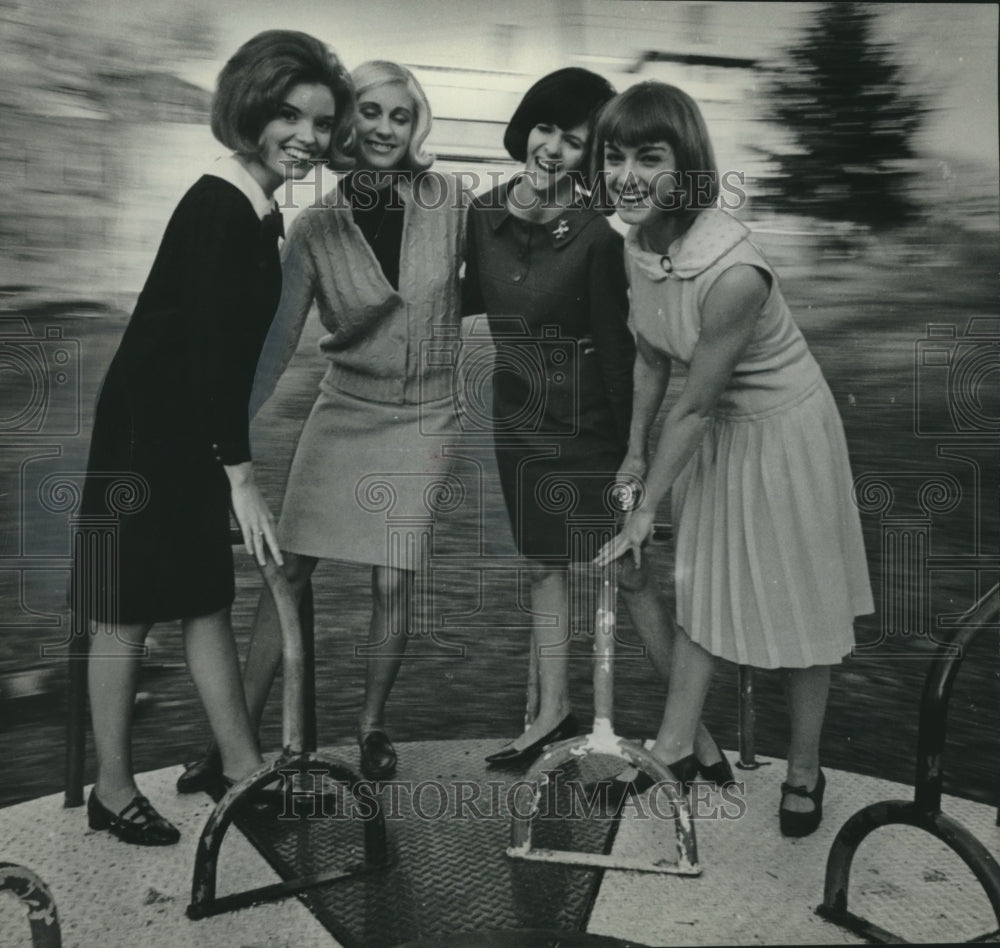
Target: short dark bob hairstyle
654 111
255 81
567 98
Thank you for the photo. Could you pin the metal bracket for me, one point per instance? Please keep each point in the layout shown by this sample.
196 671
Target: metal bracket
924 812
35 895
204 901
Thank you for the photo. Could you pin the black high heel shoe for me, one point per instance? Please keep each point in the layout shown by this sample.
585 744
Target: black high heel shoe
378 756
721 772
685 771
802 824
268 800
152 830
509 757
203 775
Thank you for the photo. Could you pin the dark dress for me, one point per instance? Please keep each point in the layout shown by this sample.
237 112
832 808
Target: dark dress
556 296
173 410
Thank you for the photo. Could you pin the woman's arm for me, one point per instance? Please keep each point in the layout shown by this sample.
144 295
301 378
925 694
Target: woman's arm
298 282
222 260
730 313
650 378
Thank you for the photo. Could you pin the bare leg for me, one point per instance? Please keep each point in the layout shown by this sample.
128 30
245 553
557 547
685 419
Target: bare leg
392 615
690 676
215 668
806 690
264 653
656 629
112 675
549 600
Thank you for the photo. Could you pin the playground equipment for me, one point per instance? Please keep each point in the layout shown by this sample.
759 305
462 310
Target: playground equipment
291 767
29 889
602 740
924 811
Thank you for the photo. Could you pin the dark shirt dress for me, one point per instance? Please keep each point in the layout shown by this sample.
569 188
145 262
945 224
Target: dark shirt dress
556 296
173 409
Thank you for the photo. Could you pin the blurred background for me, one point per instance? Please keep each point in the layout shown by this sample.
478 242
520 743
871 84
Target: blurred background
867 137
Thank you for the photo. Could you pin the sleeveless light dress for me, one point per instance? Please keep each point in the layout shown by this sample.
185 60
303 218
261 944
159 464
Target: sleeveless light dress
770 566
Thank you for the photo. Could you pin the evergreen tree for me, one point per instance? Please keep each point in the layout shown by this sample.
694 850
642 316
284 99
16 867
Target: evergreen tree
851 119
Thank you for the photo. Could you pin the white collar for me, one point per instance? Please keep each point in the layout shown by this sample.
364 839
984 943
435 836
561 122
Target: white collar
231 170
712 235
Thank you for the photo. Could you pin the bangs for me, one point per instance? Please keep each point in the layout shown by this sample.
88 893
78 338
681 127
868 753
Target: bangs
636 120
558 109
657 112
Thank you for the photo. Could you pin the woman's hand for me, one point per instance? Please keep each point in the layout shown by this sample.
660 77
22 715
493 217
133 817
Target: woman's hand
252 514
637 530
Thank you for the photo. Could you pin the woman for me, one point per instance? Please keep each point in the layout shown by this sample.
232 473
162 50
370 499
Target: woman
171 420
548 272
770 565
382 261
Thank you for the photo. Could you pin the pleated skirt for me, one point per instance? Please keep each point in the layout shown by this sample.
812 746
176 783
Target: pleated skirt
366 478
770 566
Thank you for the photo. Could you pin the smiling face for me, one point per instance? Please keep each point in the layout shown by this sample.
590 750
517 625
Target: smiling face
300 131
552 152
642 181
384 126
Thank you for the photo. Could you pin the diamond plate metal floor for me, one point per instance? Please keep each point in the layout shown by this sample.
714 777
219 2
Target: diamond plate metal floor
448 823
451 875
757 887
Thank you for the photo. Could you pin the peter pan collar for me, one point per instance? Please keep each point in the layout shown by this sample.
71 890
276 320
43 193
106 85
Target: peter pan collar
712 235
230 169
562 229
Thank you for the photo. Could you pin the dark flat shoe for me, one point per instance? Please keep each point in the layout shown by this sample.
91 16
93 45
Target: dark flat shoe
137 823
510 757
721 772
378 756
203 775
802 824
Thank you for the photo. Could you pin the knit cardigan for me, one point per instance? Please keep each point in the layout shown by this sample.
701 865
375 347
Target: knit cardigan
379 341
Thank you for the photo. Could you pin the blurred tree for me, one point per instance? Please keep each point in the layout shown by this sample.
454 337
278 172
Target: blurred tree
851 121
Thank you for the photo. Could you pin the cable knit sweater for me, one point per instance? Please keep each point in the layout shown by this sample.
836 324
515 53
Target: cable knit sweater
375 335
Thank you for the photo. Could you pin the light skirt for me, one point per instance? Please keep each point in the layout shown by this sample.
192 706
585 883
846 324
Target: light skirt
365 479
770 563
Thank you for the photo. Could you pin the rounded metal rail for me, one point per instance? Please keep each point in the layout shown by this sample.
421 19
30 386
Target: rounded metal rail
603 740
29 889
294 761
924 811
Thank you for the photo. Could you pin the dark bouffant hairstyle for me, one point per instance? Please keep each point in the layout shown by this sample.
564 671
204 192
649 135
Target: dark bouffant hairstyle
567 97
255 81
654 111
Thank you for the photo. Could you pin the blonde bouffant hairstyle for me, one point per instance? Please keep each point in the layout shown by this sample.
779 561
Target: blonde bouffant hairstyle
380 72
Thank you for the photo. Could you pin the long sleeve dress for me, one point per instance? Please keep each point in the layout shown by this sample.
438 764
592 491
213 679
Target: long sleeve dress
373 446
770 565
557 301
173 408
